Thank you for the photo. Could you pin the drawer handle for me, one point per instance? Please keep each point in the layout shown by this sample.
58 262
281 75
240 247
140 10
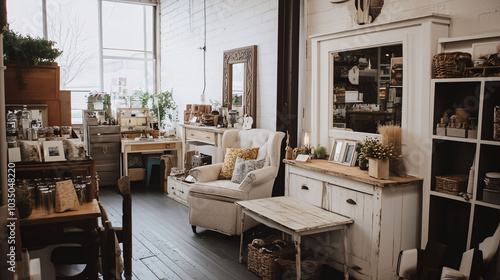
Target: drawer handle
105 149
355 267
304 187
350 201
192 134
137 147
208 137
98 134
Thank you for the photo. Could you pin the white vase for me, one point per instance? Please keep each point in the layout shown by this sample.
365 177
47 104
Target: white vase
378 168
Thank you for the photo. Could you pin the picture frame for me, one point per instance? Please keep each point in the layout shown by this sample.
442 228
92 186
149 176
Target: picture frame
337 151
350 154
343 152
53 151
484 49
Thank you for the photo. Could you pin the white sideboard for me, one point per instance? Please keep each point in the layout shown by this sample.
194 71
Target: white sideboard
386 214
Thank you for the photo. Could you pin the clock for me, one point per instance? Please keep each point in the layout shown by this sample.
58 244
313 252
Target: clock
354 75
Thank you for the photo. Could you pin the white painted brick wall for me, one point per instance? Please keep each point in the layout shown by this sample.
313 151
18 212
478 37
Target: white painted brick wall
230 24
238 23
468 17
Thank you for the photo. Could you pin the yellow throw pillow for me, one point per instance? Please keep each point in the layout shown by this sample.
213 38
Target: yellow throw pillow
232 154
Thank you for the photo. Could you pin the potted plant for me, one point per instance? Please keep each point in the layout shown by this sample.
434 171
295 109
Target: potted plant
378 156
162 103
27 50
320 152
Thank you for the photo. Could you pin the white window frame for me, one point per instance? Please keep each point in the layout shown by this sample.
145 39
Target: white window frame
156 42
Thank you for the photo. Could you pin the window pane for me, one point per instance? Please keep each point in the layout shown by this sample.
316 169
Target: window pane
78 103
26 17
127 26
127 53
124 77
73 26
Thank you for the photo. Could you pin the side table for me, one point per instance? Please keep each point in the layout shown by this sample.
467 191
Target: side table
296 218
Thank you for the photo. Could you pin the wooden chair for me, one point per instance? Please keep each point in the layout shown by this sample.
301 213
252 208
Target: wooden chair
123 234
108 237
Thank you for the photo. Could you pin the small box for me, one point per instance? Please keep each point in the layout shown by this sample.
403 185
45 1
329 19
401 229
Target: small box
136 174
472 133
353 96
188 107
456 132
441 131
491 196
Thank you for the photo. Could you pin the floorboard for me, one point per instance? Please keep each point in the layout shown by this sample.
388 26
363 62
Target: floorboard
164 246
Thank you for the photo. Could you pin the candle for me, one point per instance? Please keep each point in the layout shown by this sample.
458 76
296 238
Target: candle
306 139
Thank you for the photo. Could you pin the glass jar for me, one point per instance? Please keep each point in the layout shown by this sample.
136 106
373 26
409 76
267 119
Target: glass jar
49 133
57 131
41 134
496 123
66 131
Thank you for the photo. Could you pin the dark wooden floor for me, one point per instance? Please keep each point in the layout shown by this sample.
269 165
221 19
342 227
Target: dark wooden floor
164 246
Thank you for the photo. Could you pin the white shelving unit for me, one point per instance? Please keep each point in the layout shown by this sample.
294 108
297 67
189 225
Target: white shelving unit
459 222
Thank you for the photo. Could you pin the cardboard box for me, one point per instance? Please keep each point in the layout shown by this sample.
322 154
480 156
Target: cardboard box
441 131
456 132
472 133
136 174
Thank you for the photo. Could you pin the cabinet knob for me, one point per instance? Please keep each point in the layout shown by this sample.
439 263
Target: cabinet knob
350 201
98 134
304 187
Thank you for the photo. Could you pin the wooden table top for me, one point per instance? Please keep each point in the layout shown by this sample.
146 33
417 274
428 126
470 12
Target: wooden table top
88 210
352 173
296 215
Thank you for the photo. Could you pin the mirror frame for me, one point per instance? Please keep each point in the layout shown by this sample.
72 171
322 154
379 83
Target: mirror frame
246 55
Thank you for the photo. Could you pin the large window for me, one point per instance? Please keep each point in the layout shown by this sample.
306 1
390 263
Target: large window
119 64
127 50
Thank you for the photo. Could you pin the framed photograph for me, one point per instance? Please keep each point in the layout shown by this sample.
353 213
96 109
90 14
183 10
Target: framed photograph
350 153
337 151
343 152
53 151
484 49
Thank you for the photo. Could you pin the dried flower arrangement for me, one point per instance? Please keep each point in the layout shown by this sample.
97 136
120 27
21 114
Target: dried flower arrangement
373 148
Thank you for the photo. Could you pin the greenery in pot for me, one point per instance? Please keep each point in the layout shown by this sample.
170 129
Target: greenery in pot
320 151
373 148
27 50
165 105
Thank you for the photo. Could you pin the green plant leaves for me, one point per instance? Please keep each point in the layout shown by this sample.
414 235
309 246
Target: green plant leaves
28 50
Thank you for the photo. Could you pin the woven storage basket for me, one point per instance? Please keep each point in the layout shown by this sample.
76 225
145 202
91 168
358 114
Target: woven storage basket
451 65
310 269
452 184
264 263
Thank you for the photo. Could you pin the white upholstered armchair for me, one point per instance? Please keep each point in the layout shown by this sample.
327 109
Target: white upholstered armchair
211 201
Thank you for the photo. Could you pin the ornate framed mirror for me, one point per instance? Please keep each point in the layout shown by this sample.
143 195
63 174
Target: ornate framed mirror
239 81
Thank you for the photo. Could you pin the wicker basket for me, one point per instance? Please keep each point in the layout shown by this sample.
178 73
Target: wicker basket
264 263
310 268
451 65
452 184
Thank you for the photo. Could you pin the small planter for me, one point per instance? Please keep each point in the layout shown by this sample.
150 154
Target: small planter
378 168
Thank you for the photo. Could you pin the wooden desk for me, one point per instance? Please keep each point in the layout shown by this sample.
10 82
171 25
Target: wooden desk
40 229
158 145
204 135
296 218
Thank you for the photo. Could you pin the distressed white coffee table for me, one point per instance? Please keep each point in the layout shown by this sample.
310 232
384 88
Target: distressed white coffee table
296 218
